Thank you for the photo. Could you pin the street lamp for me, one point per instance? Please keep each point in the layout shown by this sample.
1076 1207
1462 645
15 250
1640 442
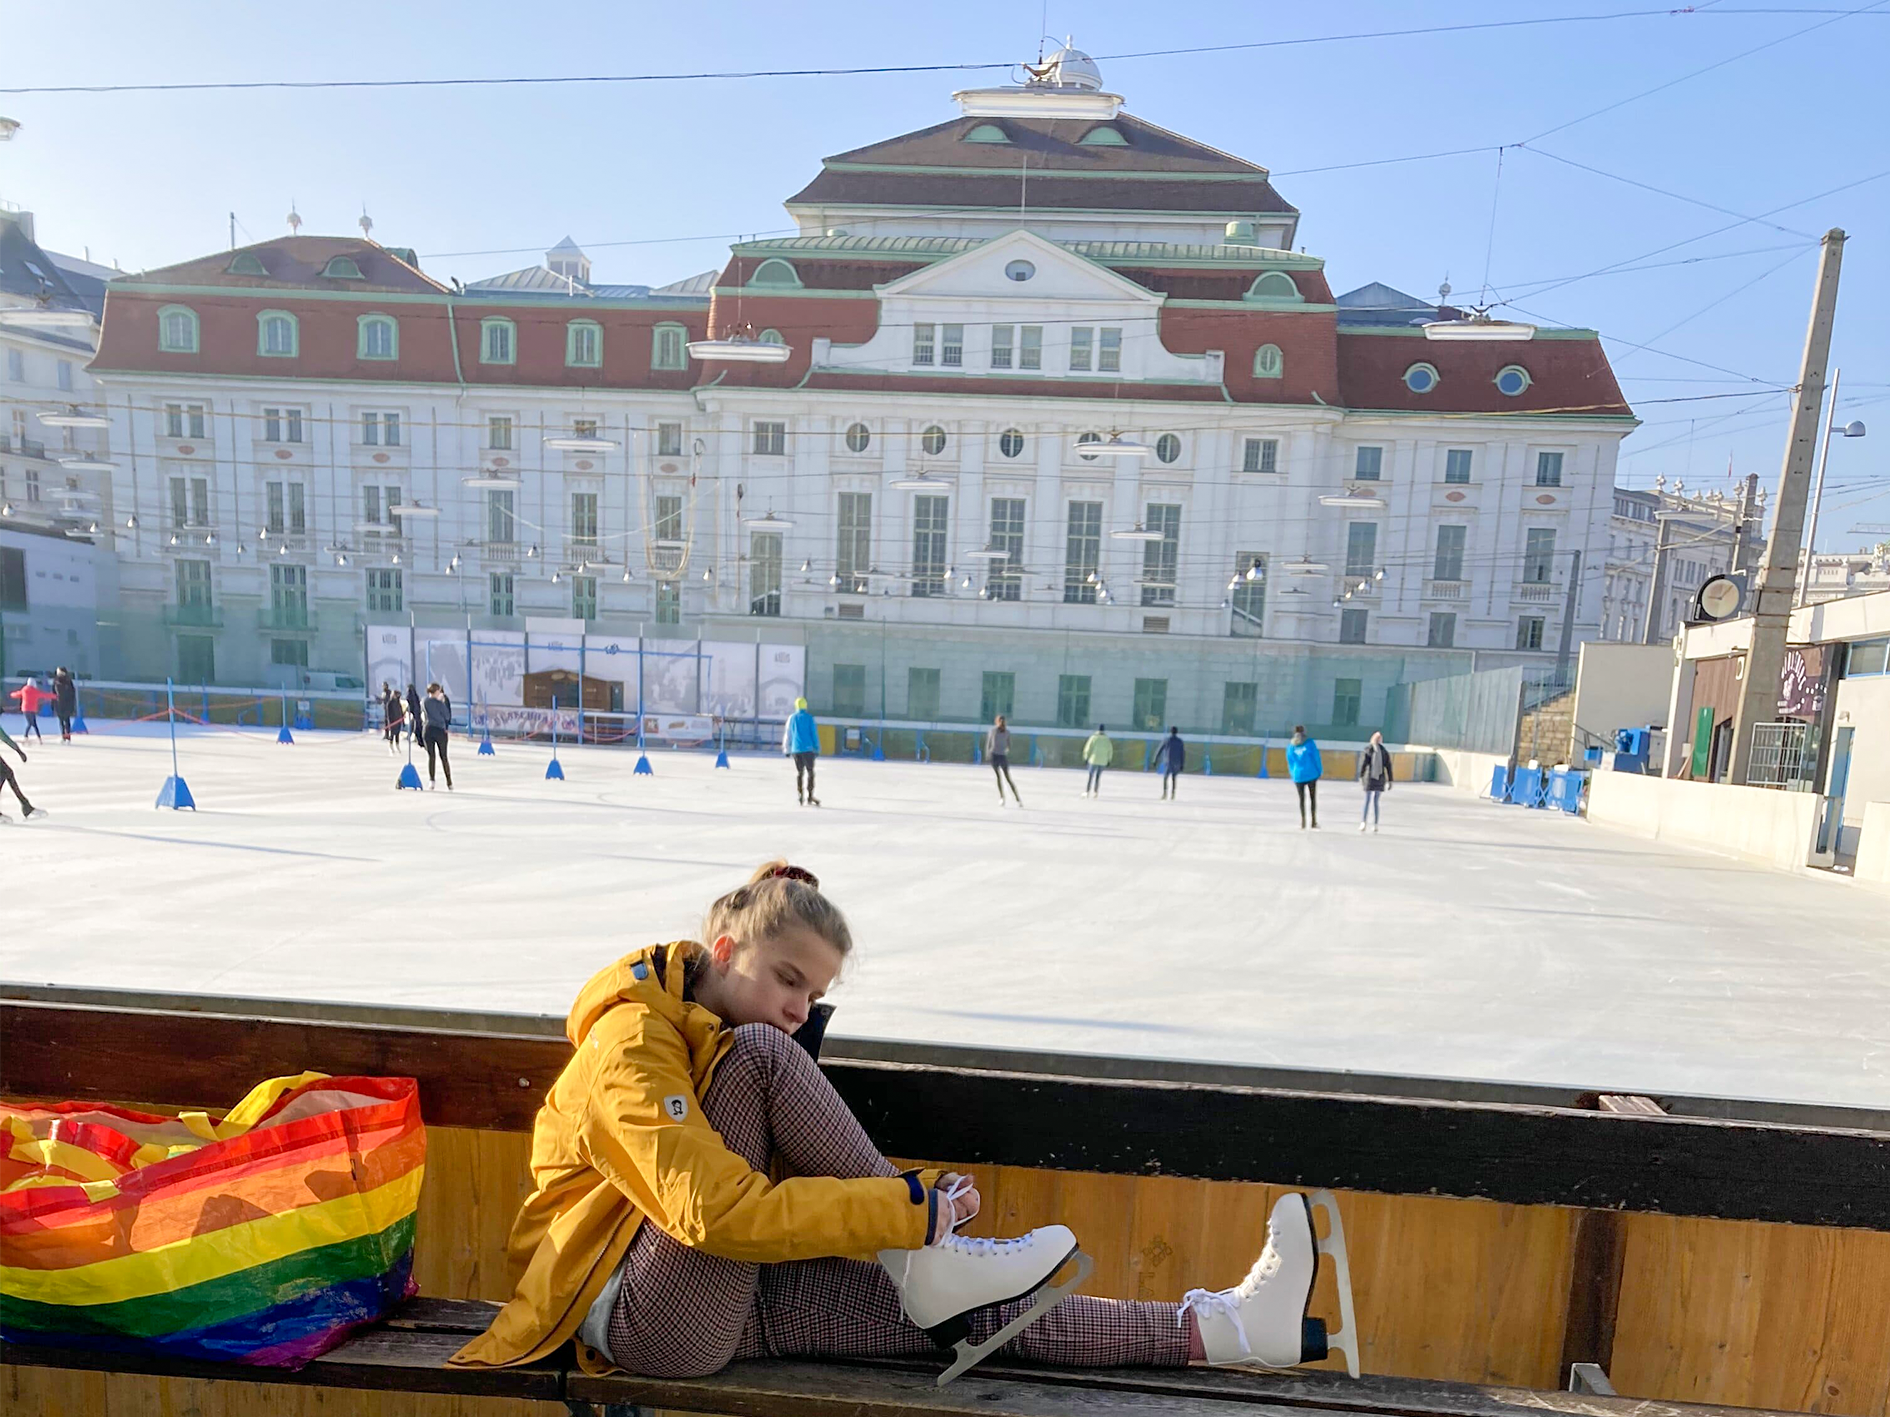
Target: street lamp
1853 429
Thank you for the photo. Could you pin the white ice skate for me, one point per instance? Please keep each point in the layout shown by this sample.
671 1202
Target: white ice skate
943 1285
1263 1320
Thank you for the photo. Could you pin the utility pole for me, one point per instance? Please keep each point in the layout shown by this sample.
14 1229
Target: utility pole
1778 577
1650 619
1748 505
1568 615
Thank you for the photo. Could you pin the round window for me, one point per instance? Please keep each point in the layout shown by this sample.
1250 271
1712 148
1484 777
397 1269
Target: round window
772 337
1019 270
1168 447
859 438
1420 378
1011 443
1511 380
932 440
1088 438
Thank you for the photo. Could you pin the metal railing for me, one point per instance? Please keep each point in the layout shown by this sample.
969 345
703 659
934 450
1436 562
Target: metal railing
1784 755
1446 590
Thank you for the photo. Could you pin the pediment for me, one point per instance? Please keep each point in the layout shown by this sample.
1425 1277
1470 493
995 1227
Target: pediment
1056 274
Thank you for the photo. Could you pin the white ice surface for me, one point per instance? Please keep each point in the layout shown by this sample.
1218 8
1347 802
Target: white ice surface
1465 940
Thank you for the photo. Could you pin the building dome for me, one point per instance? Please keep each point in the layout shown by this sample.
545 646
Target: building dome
1069 67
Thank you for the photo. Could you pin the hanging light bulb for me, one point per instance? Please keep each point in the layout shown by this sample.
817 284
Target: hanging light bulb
173 538
6 509
340 559
396 558
242 549
93 530
209 540
1253 571
834 580
708 573
531 552
1379 574
1091 578
965 584
131 523
1234 584
453 565
1224 602
283 550
626 574
807 565
554 577
984 592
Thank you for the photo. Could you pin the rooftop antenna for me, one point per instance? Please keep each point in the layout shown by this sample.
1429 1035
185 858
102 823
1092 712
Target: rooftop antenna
295 218
367 222
1443 291
232 232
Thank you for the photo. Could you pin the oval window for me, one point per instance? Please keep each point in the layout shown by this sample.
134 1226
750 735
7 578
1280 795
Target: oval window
1168 447
1011 443
859 438
772 337
1512 380
1420 378
932 440
1268 362
1088 438
1019 270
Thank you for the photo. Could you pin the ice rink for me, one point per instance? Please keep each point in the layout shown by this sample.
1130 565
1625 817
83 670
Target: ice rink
1465 940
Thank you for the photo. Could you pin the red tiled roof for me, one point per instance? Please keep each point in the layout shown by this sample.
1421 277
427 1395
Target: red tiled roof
1566 375
297 261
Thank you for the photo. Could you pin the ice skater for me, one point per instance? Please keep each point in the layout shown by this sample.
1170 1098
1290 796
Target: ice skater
658 1237
31 696
1172 758
1303 766
1374 771
997 752
416 719
438 710
800 740
8 778
65 701
1099 753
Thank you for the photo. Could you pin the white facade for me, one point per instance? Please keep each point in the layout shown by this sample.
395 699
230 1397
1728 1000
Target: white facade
1702 542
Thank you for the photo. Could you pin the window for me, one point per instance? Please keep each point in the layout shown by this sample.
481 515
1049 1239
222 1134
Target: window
193 589
183 420
1002 338
770 439
849 690
288 597
1082 552
1352 627
669 440
1443 631
584 519
1151 704
190 501
16 365
13 578
859 438
1548 469
380 430
501 520
1346 694
853 545
932 441
583 345
1089 437
1268 363
343 268
999 696
499 432
1447 564
1538 554
499 588
1002 579
669 526
1368 464
1273 285
1529 632
929 525
1030 346
1239 702
384 591
1361 549
776 272
1019 270
771 337
498 341
1160 559
584 597
1866 657
1082 340
1168 447
1248 599
951 349
1457 465
377 337
282 425
669 347
1103 136
247 263
924 342
32 484
1511 380
764 573
1261 455
289 652
287 508
276 334
196 659
1421 378
1109 349
922 694
177 329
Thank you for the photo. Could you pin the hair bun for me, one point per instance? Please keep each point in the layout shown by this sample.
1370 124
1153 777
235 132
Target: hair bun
795 873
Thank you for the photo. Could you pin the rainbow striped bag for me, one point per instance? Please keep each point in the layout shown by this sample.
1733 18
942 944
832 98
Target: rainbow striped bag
262 1238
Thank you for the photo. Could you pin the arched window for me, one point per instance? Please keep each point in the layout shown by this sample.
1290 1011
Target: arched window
177 329
342 268
775 271
1421 378
771 337
987 133
932 440
1090 437
377 337
277 334
1268 363
1168 447
1103 136
584 344
859 438
1011 443
1274 285
668 347
498 340
1511 380
247 263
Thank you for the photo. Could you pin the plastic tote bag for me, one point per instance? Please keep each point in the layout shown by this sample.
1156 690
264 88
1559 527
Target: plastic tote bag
262 1238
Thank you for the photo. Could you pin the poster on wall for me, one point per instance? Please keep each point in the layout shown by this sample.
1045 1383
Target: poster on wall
782 679
728 678
1801 683
669 676
389 657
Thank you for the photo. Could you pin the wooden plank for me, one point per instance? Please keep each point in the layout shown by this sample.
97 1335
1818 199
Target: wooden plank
1594 1290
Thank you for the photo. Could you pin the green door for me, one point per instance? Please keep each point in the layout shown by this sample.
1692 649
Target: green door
1702 742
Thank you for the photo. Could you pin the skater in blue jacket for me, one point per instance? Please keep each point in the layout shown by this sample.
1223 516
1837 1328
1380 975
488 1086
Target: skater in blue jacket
800 740
1172 756
1302 763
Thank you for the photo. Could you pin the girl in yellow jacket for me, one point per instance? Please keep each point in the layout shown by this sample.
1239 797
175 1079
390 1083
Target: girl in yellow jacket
655 1236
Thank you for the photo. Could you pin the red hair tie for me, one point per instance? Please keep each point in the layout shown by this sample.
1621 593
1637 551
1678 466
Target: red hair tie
795 873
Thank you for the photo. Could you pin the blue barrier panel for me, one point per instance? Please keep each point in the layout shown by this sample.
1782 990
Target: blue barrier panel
1527 791
1499 783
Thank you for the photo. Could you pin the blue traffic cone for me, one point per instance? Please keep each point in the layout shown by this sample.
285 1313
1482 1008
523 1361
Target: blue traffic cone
554 771
176 795
721 758
643 768
409 777
485 745
284 736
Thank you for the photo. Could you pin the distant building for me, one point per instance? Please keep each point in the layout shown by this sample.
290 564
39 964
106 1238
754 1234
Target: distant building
1702 541
1833 575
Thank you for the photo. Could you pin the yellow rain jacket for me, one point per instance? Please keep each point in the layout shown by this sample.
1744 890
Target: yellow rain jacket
622 1139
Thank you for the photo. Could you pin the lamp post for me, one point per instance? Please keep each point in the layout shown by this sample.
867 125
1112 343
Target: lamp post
1853 429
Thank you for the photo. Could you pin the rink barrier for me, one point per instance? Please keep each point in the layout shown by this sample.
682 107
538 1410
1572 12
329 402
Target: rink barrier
1493 1242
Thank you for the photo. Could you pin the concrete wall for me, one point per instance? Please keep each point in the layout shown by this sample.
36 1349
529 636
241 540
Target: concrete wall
1872 867
1466 771
1755 823
1622 686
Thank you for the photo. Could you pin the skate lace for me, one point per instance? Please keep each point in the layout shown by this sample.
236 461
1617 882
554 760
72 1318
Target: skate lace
1226 1302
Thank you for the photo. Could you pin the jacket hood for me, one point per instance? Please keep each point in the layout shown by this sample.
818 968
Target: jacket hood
634 977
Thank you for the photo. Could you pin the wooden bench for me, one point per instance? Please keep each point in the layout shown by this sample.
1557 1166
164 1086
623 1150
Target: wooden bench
1539 1259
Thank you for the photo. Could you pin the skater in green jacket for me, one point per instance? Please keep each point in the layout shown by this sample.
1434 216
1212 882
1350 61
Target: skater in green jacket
1098 752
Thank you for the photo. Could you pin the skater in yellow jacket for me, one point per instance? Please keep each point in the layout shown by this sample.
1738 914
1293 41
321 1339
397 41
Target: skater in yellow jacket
1099 753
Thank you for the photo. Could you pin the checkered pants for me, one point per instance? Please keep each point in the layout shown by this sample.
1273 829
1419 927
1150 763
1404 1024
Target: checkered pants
684 1313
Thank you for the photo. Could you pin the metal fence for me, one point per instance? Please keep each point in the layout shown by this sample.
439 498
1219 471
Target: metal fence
1784 755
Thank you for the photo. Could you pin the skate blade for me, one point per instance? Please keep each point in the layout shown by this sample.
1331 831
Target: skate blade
1333 1246
1049 1297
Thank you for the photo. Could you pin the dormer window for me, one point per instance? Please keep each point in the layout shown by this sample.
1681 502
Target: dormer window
342 268
1274 285
1103 136
246 263
987 133
775 271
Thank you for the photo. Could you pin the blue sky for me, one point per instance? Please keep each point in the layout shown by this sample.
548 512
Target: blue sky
673 170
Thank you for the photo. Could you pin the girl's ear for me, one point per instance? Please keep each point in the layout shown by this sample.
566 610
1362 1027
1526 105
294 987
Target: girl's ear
722 951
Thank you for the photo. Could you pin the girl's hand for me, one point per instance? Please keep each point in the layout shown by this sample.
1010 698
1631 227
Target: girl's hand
958 1201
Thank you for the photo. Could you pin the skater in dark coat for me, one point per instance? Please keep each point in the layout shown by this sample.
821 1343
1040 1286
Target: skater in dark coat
7 777
416 720
392 712
438 711
1374 771
65 700
1172 757
997 752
